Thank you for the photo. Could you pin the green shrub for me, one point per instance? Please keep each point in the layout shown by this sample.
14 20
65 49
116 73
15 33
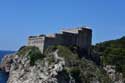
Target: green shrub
81 69
113 53
75 72
32 52
34 55
23 50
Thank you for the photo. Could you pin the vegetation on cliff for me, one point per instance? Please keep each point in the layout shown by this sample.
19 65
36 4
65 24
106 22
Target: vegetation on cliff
112 53
81 69
33 53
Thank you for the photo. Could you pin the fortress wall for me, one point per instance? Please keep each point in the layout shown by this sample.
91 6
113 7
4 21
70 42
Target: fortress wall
69 38
37 41
65 38
59 39
50 42
81 37
84 39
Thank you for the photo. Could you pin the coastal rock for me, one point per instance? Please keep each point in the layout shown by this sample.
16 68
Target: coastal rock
41 72
6 63
58 64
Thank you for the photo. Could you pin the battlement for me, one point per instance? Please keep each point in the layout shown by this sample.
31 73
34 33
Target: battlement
80 37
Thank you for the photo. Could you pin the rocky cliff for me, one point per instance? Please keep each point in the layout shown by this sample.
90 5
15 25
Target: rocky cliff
112 55
58 64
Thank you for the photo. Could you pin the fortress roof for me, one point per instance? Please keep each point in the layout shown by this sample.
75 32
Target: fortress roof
75 30
71 30
51 35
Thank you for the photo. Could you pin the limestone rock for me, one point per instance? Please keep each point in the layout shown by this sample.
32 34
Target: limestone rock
41 72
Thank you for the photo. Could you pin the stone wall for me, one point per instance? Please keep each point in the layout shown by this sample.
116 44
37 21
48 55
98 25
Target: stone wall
81 37
69 39
84 38
50 42
37 41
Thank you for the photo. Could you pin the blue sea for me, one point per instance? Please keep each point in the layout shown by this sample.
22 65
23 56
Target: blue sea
3 75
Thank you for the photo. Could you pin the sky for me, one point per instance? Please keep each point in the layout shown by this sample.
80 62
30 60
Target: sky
22 18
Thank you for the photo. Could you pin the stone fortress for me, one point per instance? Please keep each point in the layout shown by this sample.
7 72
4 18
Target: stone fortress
80 37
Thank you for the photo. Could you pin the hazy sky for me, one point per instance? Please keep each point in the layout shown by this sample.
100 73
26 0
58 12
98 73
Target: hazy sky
21 18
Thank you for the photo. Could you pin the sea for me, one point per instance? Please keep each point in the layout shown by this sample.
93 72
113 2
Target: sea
3 75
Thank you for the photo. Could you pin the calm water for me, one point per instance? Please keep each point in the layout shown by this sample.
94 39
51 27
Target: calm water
3 77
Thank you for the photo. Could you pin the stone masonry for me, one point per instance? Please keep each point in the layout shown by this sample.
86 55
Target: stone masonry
81 37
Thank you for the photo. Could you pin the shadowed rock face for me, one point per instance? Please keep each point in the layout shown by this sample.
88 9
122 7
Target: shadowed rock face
6 63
